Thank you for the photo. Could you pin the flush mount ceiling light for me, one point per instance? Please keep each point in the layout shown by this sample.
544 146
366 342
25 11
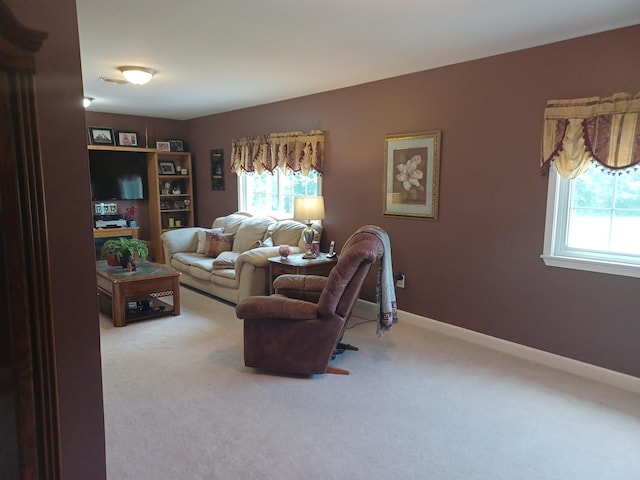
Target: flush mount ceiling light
86 101
137 75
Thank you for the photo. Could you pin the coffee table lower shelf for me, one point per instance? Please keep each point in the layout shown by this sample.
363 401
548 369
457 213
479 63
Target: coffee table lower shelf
142 308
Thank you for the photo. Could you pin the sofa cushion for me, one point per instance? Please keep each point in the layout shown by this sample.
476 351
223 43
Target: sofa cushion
251 230
231 222
286 232
204 239
225 260
203 263
225 277
188 258
220 242
185 259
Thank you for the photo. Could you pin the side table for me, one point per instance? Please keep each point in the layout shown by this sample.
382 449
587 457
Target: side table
295 264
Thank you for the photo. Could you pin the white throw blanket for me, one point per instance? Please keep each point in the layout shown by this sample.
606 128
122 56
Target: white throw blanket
387 312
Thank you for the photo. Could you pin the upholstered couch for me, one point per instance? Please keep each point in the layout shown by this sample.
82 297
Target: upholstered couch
241 269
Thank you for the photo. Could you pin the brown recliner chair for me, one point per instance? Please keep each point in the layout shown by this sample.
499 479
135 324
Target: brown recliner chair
297 329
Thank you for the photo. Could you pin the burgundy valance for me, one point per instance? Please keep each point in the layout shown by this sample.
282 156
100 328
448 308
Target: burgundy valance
291 151
580 131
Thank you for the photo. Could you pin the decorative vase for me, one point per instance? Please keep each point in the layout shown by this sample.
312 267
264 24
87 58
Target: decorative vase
284 251
112 260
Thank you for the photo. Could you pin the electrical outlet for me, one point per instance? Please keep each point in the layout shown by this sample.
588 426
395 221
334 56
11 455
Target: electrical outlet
400 280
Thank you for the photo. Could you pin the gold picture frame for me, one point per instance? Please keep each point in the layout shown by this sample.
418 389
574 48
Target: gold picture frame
412 175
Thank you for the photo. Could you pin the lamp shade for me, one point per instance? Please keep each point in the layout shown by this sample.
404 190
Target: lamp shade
137 75
308 208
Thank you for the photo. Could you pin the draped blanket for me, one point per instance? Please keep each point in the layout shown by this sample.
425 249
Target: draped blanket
387 313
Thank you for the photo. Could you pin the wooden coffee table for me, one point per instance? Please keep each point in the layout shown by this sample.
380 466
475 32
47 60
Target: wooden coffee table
138 295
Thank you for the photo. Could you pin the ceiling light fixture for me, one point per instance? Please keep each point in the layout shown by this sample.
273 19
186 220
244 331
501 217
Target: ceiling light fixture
137 75
86 101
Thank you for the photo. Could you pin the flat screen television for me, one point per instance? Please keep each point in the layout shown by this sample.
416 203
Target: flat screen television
118 176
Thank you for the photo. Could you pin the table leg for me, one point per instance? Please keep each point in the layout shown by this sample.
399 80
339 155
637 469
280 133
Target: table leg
117 307
176 296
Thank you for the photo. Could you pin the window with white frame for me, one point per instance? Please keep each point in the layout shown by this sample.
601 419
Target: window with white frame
273 193
593 221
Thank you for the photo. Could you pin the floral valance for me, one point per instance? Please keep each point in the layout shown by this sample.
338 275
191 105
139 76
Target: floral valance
580 131
294 151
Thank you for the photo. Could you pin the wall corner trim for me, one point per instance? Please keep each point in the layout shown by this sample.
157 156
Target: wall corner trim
367 310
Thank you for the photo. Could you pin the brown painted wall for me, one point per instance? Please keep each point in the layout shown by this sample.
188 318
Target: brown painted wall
65 173
478 266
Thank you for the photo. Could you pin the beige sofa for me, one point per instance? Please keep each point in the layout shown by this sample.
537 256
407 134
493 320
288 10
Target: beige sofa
244 270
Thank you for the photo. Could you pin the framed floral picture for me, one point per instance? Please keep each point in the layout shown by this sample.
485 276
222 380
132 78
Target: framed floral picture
412 175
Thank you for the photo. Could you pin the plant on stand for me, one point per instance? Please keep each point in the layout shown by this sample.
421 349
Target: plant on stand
125 250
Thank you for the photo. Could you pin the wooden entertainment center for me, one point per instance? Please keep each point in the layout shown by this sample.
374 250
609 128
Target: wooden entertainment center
170 193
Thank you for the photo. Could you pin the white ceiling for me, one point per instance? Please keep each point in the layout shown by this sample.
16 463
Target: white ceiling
214 56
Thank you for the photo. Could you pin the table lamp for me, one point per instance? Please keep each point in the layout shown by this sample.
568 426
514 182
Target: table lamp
307 209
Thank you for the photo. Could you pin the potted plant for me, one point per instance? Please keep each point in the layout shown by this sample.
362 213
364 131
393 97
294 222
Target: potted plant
124 250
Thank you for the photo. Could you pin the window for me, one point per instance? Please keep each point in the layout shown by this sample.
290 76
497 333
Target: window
272 194
593 222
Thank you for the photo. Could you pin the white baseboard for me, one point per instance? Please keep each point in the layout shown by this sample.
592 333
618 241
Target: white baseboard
367 310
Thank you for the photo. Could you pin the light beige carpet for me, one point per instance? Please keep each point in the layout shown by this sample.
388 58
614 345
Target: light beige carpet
180 405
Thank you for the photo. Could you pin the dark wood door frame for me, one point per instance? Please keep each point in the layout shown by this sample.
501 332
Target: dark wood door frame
24 254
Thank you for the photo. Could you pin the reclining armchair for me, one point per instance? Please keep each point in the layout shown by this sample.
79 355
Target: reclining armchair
297 329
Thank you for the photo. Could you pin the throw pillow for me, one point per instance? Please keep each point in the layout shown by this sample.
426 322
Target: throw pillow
204 239
225 260
220 242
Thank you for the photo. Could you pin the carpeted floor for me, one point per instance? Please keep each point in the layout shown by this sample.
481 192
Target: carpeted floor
180 405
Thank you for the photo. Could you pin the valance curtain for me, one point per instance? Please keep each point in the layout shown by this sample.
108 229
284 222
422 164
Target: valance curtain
580 131
295 151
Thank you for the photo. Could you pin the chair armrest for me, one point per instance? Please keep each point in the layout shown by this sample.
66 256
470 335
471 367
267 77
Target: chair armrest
275 306
258 256
180 240
301 287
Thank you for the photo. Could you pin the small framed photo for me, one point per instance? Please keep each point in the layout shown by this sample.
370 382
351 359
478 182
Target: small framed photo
128 139
176 145
163 146
183 171
165 205
100 136
179 205
166 167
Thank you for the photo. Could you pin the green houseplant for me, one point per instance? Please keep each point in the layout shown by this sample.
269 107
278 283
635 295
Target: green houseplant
124 250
